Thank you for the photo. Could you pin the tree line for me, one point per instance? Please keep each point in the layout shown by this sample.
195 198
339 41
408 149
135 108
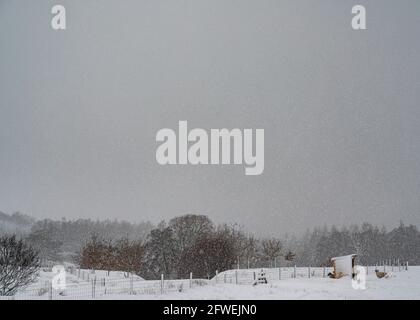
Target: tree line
371 244
193 243
189 243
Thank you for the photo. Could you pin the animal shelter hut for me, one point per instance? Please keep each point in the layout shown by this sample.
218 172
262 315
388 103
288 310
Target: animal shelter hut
344 265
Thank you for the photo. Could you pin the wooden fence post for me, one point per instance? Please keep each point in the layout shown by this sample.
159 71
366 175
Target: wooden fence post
236 276
309 272
161 283
93 282
50 291
294 272
279 273
191 279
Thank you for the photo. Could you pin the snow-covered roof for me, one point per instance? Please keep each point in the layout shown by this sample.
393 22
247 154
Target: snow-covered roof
344 257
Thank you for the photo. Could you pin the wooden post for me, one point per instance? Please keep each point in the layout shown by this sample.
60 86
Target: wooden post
50 289
93 288
236 276
309 272
280 273
161 283
191 279
406 266
323 272
217 274
294 272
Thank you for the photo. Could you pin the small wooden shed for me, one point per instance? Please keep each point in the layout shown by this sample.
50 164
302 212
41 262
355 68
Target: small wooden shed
344 265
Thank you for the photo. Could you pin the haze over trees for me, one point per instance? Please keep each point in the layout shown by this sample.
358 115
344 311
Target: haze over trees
371 244
16 223
62 240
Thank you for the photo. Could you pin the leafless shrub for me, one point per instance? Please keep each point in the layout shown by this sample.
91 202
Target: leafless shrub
19 265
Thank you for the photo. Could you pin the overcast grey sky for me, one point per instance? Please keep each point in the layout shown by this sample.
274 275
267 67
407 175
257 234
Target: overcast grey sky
80 108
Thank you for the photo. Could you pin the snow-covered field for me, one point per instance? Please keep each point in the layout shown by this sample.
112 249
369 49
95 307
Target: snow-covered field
399 285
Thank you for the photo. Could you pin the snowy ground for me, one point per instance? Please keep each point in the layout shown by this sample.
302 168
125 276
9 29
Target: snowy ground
400 285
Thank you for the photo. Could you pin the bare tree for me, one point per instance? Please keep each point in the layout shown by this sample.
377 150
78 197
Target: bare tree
97 254
160 253
130 255
271 249
187 230
19 265
249 249
120 255
213 251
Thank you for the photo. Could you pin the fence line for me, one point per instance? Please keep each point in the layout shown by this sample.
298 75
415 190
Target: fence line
98 288
91 286
249 276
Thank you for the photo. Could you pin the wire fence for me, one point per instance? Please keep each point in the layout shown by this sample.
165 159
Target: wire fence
102 288
89 284
249 276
